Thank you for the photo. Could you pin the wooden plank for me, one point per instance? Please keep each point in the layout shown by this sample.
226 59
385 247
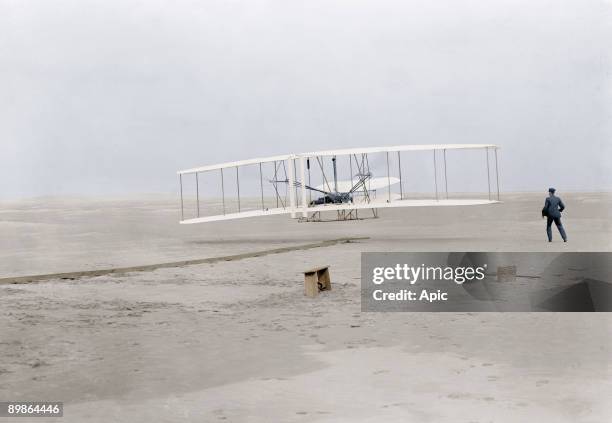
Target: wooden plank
506 273
311 287
324 279
316 269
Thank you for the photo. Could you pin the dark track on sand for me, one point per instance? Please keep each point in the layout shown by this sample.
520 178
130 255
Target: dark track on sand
151 267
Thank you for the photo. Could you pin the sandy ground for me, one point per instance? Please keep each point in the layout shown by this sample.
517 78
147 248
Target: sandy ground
238 341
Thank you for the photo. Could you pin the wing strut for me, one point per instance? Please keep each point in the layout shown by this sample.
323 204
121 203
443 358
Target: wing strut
399 167
445 178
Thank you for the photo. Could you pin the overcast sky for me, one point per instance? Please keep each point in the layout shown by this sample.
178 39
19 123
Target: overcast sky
112 97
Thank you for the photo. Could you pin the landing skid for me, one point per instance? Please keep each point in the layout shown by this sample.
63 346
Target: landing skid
341 215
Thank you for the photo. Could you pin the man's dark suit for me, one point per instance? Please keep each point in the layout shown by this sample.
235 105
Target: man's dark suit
552 210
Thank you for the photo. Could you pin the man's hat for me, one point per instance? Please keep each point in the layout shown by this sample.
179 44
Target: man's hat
551 190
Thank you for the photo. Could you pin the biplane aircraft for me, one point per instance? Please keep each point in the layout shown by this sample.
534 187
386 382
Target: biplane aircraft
308 184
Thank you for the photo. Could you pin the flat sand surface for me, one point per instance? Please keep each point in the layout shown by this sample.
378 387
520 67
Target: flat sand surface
237 341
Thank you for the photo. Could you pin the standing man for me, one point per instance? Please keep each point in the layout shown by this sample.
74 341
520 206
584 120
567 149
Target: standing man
552 211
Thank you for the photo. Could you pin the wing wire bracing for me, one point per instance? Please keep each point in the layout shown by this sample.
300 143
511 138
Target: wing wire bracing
245 191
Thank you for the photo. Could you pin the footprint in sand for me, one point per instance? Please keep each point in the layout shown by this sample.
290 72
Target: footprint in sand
395 404
458 395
